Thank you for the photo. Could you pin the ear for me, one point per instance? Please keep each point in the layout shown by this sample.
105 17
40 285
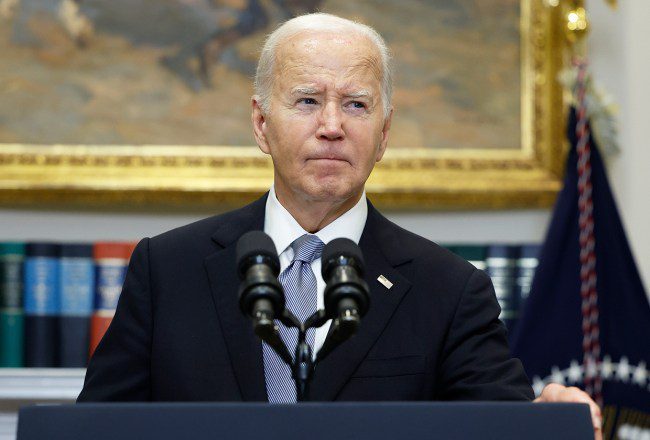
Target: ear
259 125
384 136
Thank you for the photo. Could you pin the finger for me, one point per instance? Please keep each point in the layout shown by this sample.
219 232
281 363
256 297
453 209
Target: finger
598 434
596 417
559 393
574 394
551 393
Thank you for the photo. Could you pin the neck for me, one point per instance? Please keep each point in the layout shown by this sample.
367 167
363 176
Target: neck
314 215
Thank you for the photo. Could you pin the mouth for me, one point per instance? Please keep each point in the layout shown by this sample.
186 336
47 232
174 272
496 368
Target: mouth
328 159
328 164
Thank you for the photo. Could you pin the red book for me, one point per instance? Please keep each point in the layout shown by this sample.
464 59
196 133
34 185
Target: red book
111 262
99 323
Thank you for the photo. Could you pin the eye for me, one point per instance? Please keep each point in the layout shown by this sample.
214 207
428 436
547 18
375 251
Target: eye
357 106
308 101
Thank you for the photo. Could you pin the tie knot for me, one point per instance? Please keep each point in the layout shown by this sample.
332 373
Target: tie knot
307 248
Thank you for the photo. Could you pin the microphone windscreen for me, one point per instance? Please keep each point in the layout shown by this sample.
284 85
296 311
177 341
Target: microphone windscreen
253 244
341 247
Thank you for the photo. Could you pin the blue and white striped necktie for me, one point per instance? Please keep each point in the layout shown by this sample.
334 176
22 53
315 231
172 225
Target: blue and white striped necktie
299 285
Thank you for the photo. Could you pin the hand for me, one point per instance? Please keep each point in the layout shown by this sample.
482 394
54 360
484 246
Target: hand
554 392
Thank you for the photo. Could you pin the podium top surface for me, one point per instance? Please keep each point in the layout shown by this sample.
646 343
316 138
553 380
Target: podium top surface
362 421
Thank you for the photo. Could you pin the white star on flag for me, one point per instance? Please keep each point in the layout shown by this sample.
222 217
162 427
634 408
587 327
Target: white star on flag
606 368
640 374
623 372
538 385
557 376
575 372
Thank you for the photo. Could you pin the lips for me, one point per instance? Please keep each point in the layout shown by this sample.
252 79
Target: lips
328 162
328 156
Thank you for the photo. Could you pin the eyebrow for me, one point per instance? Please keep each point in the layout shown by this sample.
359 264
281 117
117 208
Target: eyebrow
359 94
301 90
304 91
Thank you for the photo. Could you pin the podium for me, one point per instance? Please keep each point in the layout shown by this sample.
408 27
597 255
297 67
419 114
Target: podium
313 421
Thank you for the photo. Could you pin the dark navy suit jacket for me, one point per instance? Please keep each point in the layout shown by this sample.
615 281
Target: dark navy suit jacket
178 333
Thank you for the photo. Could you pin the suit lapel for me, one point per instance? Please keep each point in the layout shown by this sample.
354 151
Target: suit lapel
244 347
376 242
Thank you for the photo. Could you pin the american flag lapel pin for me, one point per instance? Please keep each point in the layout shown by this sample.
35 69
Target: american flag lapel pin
384 281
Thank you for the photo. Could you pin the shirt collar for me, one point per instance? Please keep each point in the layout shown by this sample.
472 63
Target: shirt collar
283 229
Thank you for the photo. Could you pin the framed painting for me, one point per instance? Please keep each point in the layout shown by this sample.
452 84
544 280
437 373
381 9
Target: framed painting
147 104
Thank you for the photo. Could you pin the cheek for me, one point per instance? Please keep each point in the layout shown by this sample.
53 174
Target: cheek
287 153
291 134
367 147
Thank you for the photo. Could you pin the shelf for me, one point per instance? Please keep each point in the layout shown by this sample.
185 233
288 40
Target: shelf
41 384
8 424
27 386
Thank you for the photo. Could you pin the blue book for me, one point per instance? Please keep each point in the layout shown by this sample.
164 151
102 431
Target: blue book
41 303
76 292
500 262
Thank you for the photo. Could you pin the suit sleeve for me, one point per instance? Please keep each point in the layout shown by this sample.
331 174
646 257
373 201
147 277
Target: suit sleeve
120 367
476 362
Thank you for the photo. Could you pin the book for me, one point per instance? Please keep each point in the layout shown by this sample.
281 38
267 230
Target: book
41 303
500 266
111 262
527 262
474 253
76 292
12 256
12 328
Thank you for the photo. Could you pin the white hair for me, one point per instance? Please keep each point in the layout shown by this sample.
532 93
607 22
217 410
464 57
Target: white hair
318 22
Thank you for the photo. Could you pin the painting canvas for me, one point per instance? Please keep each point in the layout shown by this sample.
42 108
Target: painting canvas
179 72
146 103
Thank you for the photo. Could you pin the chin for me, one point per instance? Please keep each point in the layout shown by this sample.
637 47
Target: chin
330 190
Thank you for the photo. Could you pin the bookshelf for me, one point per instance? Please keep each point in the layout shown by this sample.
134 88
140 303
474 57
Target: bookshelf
26 386
8 424
84 296
39 385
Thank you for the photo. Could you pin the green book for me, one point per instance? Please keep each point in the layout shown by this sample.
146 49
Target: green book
474 253
11 339
11 304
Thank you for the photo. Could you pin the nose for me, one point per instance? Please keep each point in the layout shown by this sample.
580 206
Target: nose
331 123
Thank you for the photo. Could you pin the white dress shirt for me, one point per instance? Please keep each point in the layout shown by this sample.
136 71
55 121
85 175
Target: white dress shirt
280 225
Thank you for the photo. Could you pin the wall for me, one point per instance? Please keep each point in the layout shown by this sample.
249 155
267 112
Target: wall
620 57
621 62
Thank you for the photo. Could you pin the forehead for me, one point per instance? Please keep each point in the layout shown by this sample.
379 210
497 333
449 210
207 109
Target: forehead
339 56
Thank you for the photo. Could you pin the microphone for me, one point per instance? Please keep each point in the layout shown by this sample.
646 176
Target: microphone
260 293
346 293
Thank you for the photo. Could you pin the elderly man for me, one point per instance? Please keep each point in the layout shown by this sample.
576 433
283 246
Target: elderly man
322 111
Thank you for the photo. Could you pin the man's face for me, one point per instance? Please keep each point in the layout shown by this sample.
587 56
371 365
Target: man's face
326 128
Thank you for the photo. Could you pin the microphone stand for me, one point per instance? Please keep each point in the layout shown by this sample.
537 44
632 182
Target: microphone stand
302 364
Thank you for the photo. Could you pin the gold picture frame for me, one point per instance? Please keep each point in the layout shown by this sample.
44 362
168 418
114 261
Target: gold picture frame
200 177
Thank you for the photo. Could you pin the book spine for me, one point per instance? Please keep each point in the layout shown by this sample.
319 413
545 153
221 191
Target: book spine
12 256
77 284
41 304
475 254
500 265
526 266
12 327
111 262
99 323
